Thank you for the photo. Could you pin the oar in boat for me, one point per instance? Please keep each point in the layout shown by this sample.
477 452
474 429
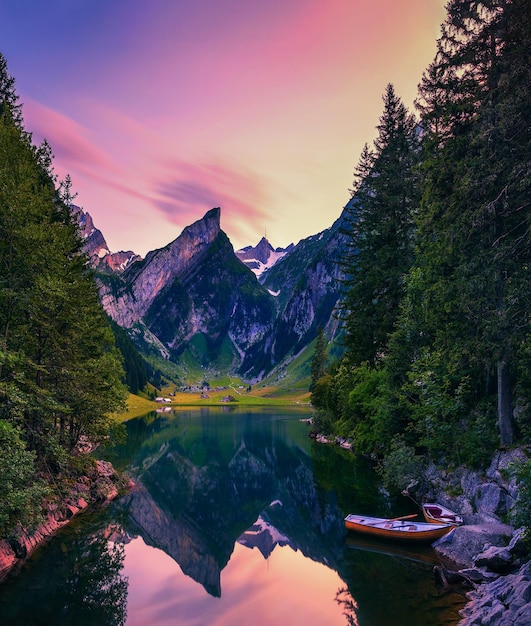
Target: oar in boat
393 519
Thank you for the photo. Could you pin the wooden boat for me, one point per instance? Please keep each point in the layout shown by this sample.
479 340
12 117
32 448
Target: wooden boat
438 514
401 528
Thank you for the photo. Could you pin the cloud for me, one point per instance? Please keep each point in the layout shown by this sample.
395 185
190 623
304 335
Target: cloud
67 138
74 152
190 189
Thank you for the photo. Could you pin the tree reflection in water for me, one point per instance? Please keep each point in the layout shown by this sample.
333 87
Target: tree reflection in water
350 606
96 592
84 585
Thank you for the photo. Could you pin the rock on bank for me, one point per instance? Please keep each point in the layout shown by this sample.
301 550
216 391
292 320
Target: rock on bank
489 555
504 602
97 488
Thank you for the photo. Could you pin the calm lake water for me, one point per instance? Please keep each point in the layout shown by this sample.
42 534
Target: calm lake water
236 518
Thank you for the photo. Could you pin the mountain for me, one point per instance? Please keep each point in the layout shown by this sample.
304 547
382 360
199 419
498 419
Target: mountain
262 256
101 257
307 285
194 298
197 303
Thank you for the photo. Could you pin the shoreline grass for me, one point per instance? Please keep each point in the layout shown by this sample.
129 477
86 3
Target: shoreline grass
137 406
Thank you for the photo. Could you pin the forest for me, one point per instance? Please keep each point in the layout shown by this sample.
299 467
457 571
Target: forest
437 362
60 372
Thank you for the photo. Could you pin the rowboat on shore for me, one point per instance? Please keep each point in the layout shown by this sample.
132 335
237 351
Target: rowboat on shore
401 528
438 514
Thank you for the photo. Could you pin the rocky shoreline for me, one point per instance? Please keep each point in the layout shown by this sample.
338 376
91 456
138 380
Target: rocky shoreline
95 489
487 556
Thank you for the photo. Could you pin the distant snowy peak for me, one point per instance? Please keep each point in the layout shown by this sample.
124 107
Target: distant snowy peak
261 257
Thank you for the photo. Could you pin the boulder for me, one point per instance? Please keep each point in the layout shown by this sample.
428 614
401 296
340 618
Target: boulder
504 602
105 469
491 502
498 560
478 574
470 540
502 461
519 544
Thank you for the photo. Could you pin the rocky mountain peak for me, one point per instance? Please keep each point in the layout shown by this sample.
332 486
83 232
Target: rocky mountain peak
196 299
261 257
146 279
101 258
262 251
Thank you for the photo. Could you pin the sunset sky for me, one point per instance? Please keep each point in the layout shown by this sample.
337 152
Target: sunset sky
161 110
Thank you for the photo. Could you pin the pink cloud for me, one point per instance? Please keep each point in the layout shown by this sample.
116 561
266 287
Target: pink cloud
76 154
190 189
68 138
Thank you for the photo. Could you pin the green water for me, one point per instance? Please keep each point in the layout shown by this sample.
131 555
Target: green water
236 518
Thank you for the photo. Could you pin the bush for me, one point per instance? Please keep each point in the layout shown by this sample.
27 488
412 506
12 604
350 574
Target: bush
401 466
20 494
521 513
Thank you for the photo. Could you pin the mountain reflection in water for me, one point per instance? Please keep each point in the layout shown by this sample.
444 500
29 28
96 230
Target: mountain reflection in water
204 478
236 518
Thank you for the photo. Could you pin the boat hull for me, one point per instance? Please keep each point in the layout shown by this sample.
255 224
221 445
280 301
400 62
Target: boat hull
401 530
437 514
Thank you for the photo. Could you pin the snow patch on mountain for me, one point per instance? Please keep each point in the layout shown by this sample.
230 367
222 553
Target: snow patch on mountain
261 257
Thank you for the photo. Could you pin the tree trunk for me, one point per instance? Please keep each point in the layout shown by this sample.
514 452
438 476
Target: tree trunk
504 404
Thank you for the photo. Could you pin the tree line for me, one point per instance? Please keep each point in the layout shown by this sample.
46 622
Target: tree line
60 371
437 296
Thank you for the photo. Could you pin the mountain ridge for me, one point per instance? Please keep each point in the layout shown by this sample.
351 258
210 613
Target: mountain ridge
96 247
196 299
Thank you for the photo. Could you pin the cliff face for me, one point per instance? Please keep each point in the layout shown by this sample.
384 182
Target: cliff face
216 307
161 267
129 299
196 295
307 288
101 258
193 294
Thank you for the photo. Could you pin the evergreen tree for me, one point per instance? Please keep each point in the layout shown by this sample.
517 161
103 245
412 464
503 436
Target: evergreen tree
319 360
9 104
136 369
468 305
60 374
380 229
20 491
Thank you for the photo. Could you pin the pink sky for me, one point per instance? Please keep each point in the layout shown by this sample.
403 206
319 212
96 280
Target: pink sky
162 110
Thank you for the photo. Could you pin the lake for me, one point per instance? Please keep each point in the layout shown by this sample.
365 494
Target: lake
236 518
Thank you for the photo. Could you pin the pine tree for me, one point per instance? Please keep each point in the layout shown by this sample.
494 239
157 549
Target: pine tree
9 104
60 374
473 249
381 230
319 360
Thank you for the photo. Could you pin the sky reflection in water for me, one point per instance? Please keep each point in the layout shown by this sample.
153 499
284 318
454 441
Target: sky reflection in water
287 588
